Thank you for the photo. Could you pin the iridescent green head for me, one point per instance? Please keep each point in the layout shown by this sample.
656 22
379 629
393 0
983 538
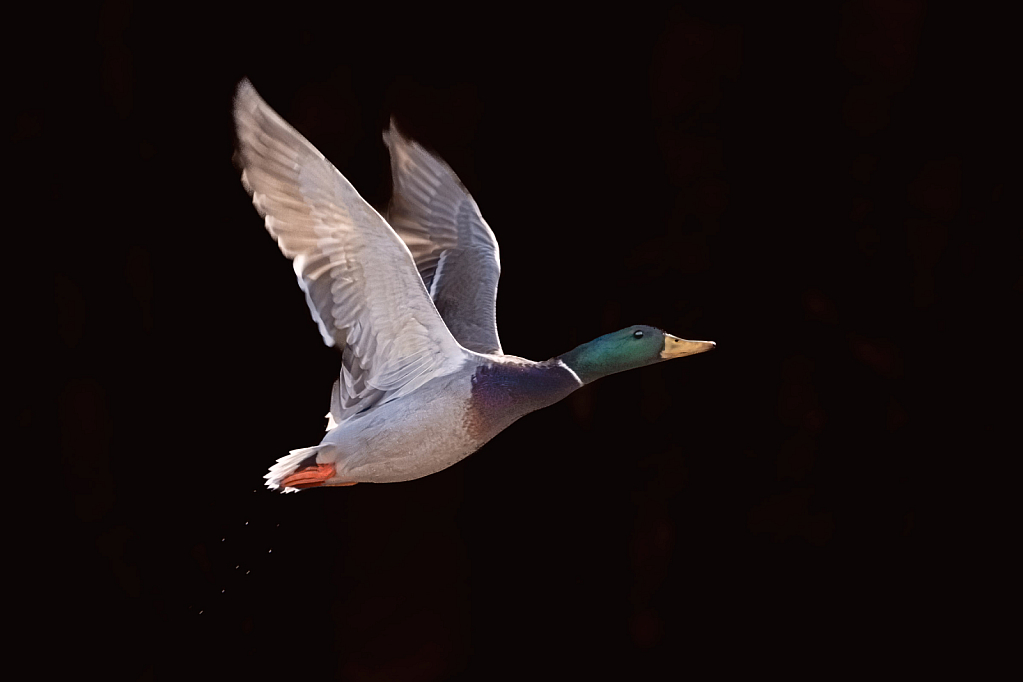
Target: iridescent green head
628 348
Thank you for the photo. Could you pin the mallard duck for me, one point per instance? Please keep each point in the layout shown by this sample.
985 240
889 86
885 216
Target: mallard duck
410 302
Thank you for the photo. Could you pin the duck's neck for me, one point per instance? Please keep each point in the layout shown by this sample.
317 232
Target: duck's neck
587 362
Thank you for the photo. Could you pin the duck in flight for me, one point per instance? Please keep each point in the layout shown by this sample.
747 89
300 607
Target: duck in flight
410 301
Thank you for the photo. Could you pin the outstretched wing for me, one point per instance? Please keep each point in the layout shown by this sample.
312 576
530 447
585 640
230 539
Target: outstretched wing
452 245
358 276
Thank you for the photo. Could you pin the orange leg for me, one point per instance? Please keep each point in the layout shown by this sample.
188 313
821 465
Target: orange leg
311 476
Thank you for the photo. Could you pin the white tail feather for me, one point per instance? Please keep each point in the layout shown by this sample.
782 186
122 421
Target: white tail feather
286 466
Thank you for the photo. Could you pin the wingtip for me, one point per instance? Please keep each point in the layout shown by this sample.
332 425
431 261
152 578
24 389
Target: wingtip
247 99
243 91
392 134
244 85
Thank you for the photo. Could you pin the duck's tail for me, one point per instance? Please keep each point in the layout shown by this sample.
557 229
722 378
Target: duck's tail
289 465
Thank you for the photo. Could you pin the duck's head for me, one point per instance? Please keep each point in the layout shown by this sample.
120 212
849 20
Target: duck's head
635 346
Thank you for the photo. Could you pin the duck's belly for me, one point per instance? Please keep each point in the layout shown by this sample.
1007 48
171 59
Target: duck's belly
402 440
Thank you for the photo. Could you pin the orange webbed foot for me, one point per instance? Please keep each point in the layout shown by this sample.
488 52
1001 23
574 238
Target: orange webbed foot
310 477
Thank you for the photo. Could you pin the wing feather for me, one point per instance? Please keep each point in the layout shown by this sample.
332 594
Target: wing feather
453 247
359 278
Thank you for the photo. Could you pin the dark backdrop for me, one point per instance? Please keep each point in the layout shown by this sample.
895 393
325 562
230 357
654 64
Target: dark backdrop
820 191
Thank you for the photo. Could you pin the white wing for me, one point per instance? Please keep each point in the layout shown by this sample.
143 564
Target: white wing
358 276
453 246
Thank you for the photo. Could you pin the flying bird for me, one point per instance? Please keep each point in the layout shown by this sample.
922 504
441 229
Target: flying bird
410 301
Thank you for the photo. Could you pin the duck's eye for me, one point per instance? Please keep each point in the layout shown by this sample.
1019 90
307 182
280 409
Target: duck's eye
638 334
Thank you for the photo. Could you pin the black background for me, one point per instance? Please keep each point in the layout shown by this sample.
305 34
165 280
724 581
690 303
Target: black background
821 190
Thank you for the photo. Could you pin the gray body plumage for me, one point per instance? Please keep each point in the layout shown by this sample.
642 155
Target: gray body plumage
446 420
403 439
